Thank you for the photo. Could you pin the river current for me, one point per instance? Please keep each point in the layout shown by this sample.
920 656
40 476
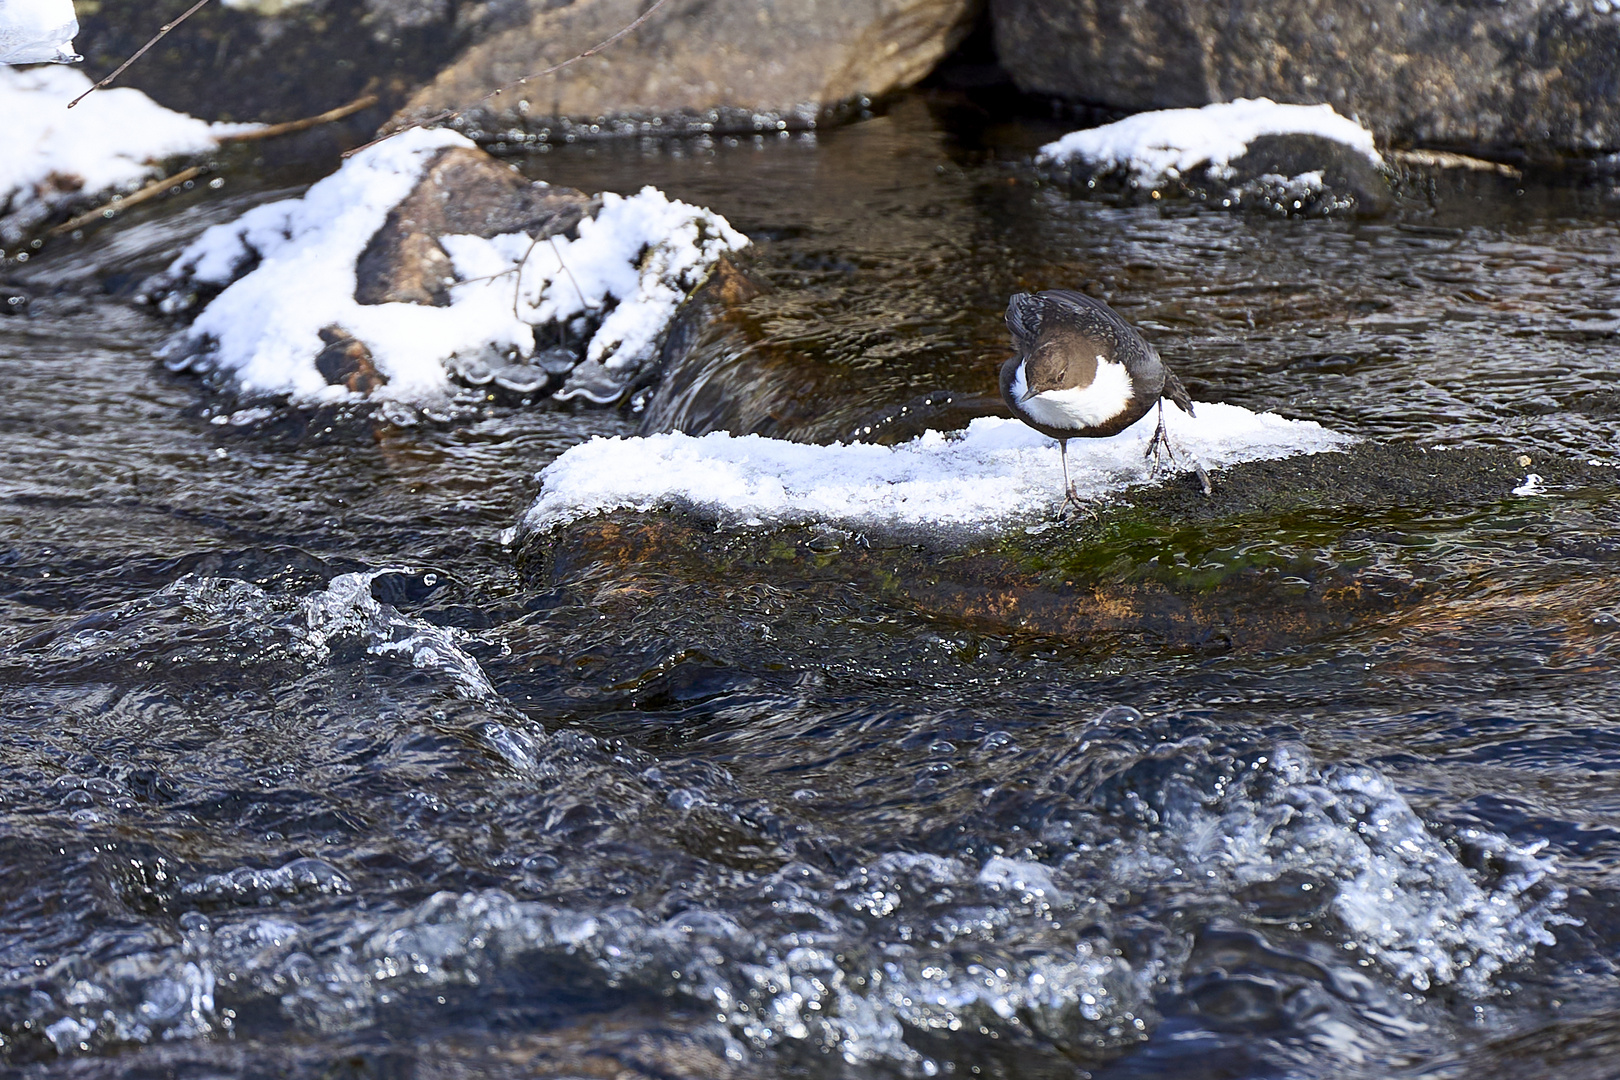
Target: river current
304 772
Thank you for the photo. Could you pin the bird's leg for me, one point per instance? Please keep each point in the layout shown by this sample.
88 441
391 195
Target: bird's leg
1158 447
1071 498
1160 450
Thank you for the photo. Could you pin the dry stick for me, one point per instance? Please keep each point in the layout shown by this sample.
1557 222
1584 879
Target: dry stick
449 114
584 303
270 131
156 187
192 10
517 290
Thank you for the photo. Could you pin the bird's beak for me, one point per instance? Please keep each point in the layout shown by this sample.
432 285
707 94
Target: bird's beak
1027 394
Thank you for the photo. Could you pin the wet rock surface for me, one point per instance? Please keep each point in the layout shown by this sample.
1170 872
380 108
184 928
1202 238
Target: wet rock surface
706 65
1167 565
1534 77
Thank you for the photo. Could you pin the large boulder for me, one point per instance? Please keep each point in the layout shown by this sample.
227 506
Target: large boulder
1526 75
693 63
1169 568
726 63
276 60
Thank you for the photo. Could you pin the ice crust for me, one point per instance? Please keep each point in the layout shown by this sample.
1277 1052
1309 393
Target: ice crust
630 267
996 472
51 155
37 32
1167 143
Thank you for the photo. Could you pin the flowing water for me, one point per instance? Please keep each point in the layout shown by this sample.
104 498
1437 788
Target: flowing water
303 772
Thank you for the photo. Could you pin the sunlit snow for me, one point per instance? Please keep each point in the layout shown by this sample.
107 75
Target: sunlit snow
38 32
1168 142
639 256
50 154
994 473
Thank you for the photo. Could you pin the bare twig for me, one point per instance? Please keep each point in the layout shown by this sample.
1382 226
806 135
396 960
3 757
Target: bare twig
450 114
517 290
270 131
134 198
192 10
584 303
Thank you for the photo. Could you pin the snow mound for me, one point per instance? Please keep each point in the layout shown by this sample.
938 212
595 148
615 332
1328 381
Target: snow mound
51 155
997 472
38 32
1168 143
625 273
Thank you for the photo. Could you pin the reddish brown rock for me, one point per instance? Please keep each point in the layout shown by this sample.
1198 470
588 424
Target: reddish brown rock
781 58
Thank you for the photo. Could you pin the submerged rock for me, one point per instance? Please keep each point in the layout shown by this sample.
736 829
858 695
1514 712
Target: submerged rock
700 64
1537 75
1285 551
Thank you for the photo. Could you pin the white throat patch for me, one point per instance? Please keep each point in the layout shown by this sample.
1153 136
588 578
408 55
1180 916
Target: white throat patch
1081 407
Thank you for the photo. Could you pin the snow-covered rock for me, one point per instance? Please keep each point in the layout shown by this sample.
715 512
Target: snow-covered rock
584 308
1297 158
52 156
995 473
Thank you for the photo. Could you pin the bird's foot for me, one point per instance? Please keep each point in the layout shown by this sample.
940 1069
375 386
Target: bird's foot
1163 454
1074 506
1158 447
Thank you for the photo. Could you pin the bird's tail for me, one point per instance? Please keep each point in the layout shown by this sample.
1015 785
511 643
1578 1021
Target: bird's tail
1176 392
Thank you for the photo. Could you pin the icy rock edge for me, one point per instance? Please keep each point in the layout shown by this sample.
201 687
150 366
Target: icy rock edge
576 315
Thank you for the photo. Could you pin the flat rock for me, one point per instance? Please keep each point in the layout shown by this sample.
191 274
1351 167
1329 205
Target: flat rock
1533 76
1284 552
736 63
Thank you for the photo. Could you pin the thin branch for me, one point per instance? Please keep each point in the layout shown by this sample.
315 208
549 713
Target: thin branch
584 303
270 131
134 198
159 36
517 290
450 114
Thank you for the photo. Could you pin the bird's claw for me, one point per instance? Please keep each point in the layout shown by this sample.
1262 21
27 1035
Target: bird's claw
1074 505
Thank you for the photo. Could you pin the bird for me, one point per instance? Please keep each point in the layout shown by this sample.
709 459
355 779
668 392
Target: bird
1081 371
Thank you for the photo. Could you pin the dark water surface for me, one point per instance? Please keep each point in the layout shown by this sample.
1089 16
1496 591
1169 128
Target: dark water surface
303 773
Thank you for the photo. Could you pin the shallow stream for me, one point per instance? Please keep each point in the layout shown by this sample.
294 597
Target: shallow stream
303 772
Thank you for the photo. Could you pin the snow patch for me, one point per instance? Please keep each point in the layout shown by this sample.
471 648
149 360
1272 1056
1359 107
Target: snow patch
996 472
635 261
38 32
51 155
1168 143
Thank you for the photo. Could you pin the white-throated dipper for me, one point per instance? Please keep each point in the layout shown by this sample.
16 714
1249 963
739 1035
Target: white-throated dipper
1082 372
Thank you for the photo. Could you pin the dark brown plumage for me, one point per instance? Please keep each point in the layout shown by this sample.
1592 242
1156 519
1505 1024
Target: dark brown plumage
1081 371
